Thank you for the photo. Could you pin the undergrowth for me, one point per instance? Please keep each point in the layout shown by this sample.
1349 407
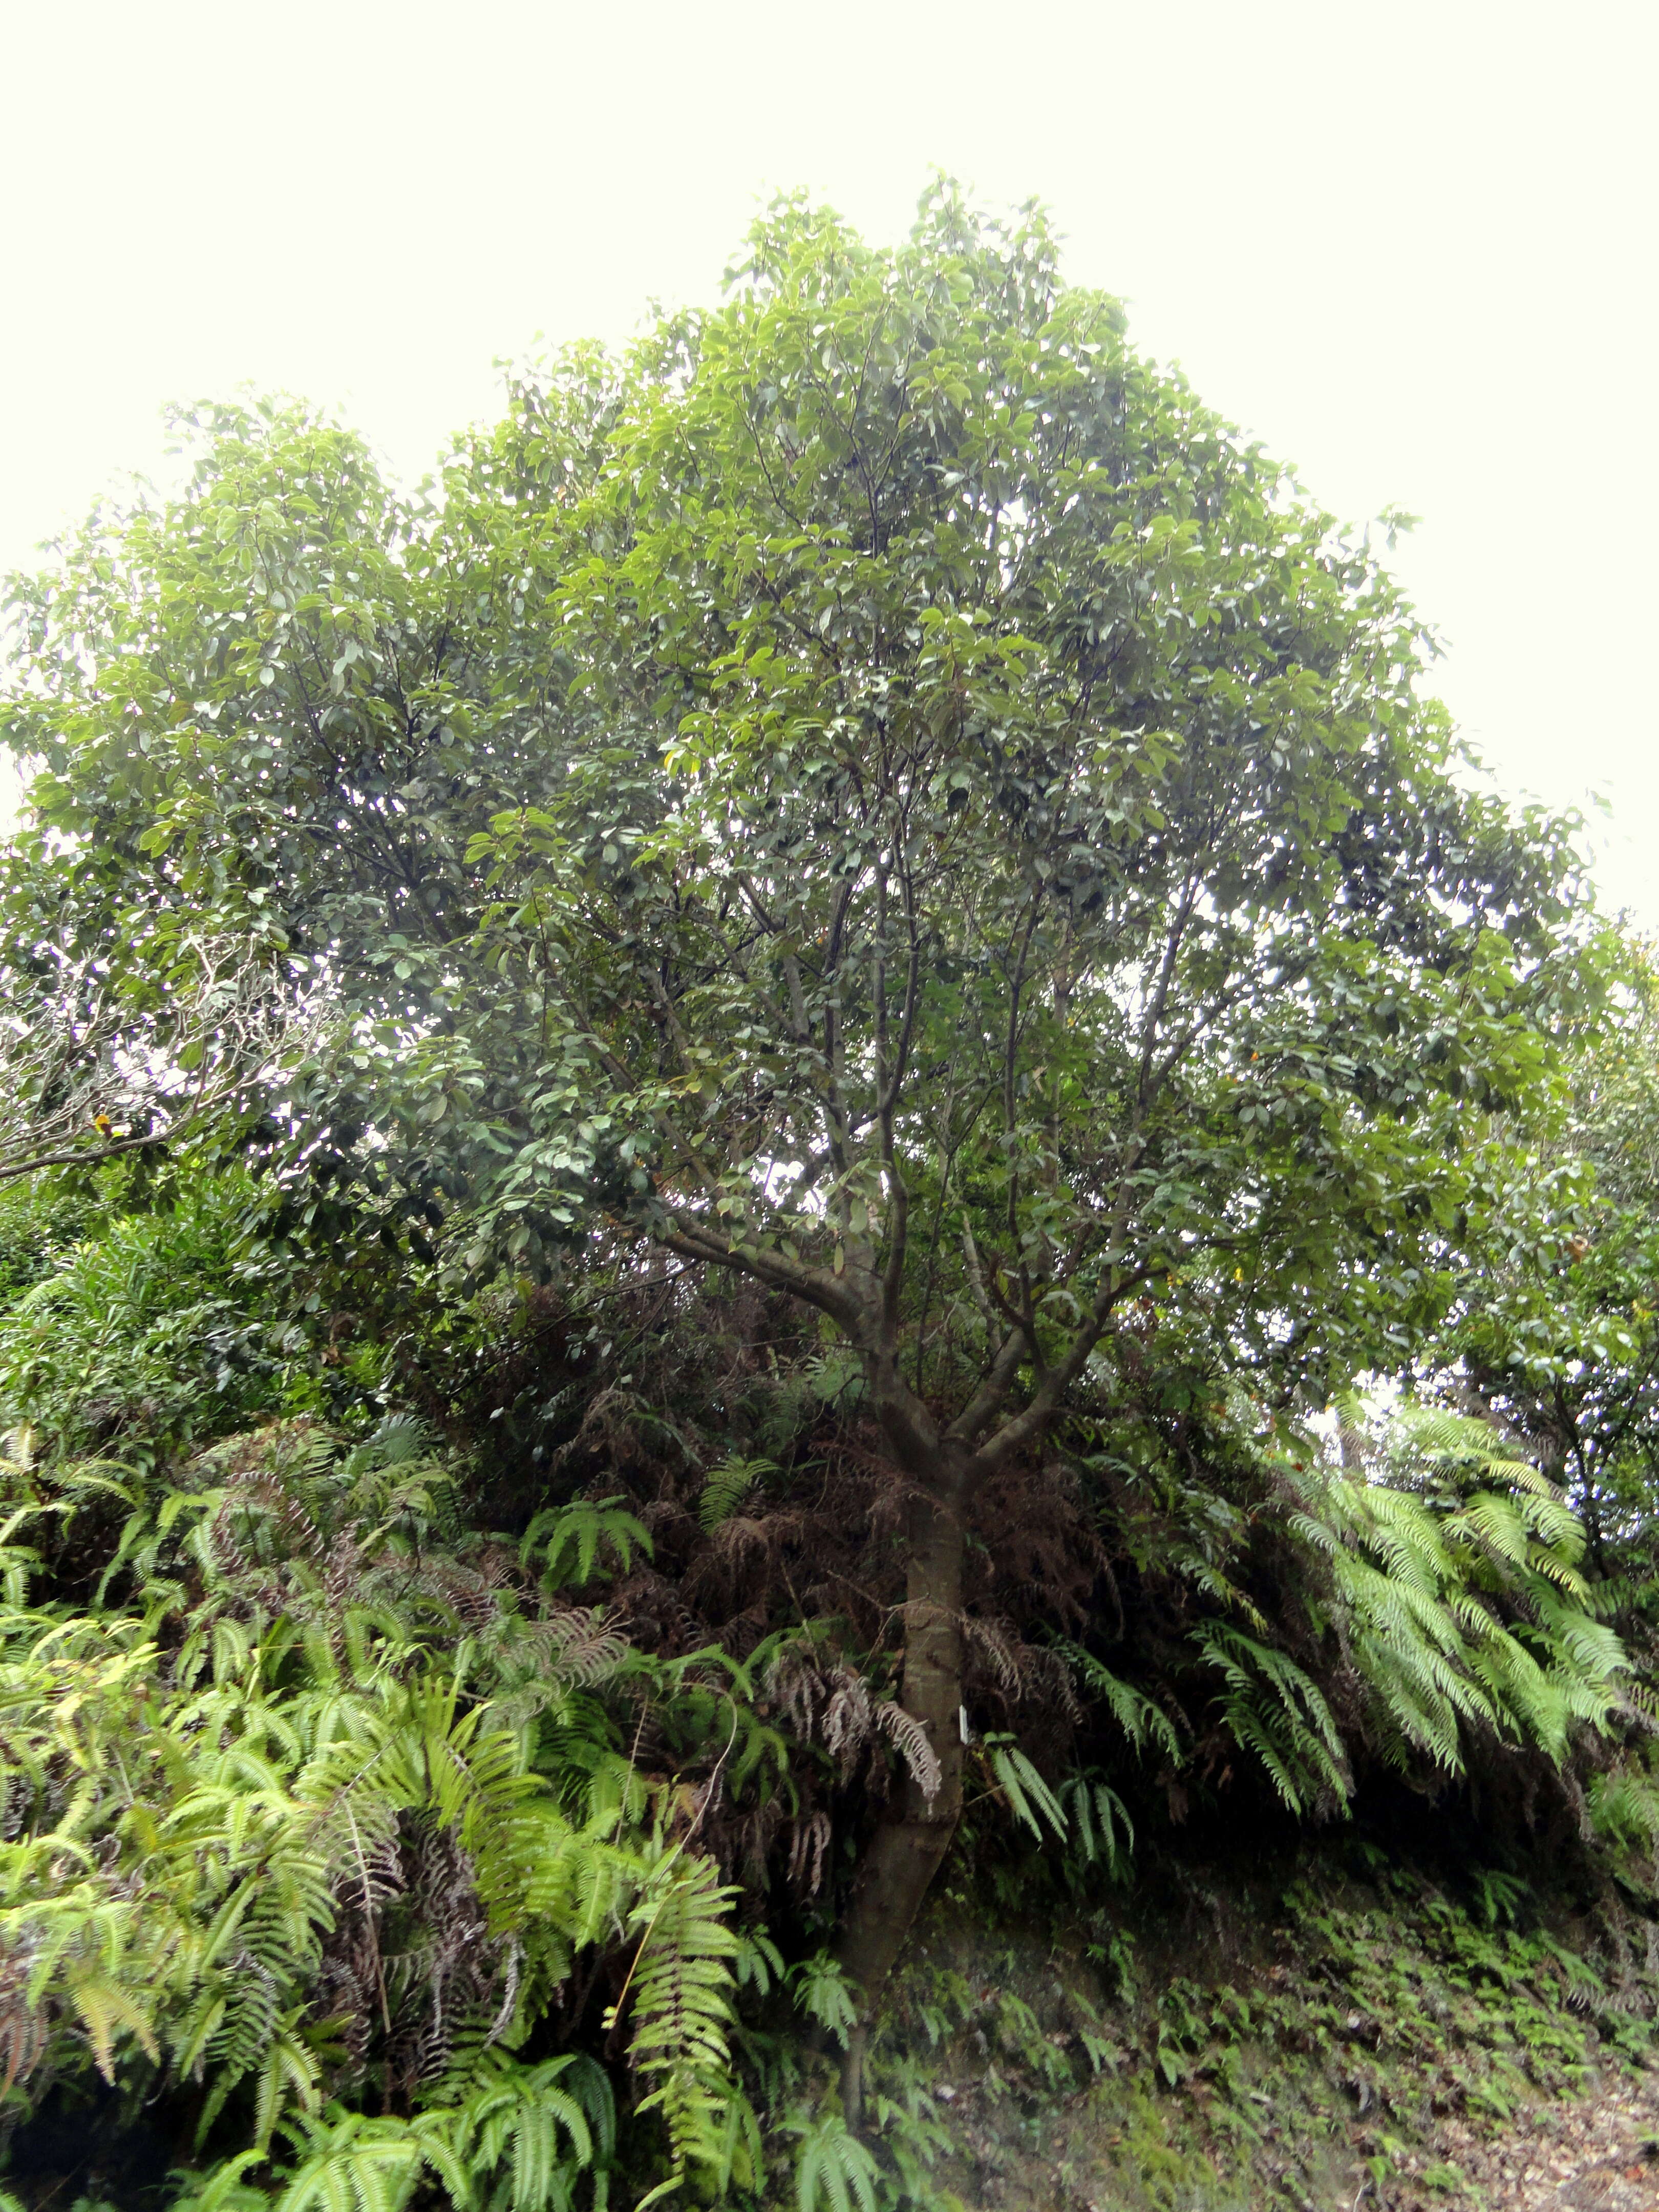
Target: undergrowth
1217 2041
398 1813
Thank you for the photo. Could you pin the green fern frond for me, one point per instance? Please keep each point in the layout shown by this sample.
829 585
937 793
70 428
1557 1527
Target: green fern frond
352 2163
834 2169
729 1487
221 2189
1095 1814
570 1540
522 2128
1027 1796
1624 1807
681 1984
1464 1610
824 1993
1140 1719
1275 1711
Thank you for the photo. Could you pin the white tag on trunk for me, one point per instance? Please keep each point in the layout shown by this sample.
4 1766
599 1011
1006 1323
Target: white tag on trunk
962 1723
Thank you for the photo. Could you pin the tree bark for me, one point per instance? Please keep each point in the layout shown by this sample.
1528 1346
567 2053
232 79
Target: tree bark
905 1852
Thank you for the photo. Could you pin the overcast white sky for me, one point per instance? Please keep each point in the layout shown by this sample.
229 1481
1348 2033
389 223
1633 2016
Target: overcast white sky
1412 247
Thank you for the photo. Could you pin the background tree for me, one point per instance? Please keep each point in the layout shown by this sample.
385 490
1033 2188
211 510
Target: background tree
1555 1332
128 1046
880 794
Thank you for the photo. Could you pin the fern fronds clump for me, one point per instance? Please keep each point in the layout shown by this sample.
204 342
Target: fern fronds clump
1455 1581
330 1812
680 1984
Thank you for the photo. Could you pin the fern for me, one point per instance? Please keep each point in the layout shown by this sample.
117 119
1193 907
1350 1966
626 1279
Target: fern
1276 1711
525 2135
681 1984
833 2169
1096 1816
1461 1605
1142 1721
223 2189
248 1816
570 1540
1623 1808
1027 1796
352 2163
824 1993
728 1487
910 1739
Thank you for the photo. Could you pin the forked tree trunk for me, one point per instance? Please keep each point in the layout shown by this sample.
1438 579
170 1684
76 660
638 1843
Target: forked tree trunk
903 1854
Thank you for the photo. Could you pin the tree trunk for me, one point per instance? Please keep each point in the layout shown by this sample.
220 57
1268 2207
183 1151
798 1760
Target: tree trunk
905 1852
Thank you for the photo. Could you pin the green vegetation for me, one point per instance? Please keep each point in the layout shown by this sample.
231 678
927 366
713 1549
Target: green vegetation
1332 2024
788 1177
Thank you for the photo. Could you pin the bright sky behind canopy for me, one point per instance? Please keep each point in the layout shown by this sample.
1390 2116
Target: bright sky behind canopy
1412 247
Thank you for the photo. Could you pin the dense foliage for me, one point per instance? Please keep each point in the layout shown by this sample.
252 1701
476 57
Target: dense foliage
711 1129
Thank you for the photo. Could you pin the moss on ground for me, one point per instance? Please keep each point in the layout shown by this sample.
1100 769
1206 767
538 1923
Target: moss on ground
1343 2030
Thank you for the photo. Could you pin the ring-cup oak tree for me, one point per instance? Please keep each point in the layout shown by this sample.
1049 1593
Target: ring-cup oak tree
879 791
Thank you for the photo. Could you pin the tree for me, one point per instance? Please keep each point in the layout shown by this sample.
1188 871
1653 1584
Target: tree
1555 1330
114 1055
879 793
